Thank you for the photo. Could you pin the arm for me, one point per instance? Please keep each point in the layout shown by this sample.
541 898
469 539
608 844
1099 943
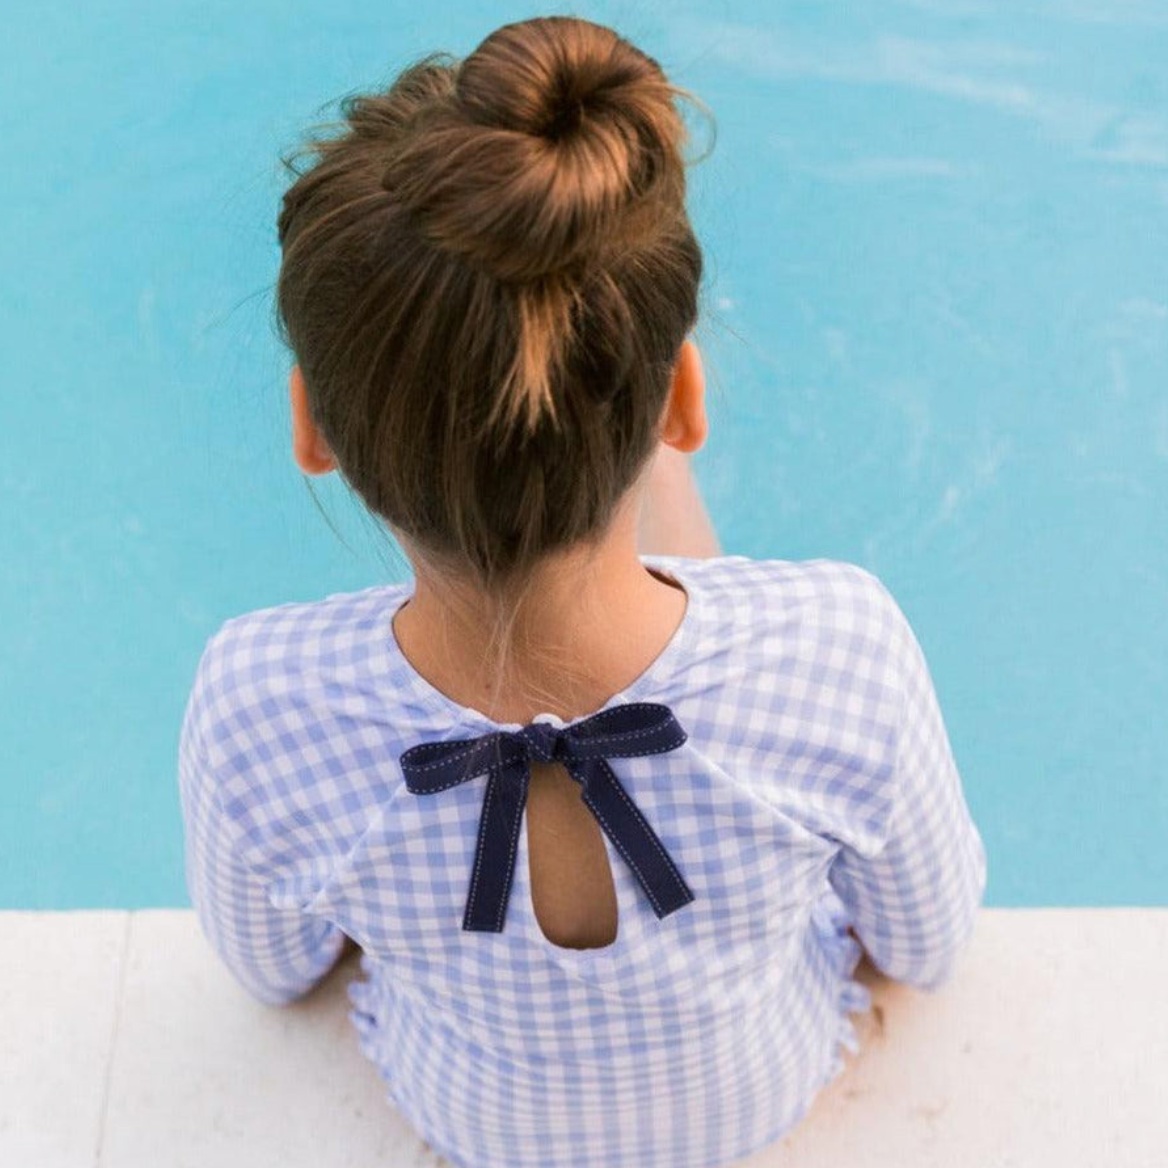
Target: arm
914 901
275 951
674 520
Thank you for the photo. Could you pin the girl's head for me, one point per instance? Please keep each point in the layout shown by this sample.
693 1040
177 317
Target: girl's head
487 279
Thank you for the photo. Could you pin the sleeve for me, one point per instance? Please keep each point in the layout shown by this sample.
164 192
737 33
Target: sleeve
277 954
914 900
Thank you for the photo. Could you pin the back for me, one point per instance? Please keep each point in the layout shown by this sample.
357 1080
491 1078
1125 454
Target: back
815 788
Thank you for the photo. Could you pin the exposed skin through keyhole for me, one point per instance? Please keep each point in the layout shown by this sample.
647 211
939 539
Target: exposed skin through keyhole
572 890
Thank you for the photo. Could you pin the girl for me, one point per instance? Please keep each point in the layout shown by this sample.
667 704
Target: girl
601 820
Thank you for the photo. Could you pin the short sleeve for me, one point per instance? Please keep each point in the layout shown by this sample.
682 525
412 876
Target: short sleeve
276 953
914 900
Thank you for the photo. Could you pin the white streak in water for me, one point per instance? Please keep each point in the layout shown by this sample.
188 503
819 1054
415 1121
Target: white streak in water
976 72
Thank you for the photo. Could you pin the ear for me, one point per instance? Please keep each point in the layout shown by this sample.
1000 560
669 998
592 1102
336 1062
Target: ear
684 424
308 446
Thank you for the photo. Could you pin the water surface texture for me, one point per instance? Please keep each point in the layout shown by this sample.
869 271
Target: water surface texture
936 327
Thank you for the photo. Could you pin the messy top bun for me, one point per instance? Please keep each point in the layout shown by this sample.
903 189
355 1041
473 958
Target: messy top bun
486 280
554 149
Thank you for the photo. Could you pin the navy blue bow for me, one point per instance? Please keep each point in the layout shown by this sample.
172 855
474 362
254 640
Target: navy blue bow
636 728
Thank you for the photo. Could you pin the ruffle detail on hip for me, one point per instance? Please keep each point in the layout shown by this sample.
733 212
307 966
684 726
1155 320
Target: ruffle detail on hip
359 993
831 920
363 1015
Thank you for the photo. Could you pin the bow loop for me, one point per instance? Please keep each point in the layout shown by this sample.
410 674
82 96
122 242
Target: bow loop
636 728
625 731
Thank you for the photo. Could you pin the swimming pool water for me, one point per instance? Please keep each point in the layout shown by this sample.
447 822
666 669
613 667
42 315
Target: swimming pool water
936 331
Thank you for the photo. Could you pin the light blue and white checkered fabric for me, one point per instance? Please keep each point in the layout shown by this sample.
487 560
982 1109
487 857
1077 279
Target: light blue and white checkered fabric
817 788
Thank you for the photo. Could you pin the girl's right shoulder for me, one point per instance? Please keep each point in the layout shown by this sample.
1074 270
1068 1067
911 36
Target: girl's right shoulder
306 622
266 644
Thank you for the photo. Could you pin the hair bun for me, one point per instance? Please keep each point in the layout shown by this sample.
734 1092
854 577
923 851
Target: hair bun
541 77
553 147
565 119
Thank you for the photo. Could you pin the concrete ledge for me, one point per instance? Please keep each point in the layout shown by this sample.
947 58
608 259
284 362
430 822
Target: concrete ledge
126 1045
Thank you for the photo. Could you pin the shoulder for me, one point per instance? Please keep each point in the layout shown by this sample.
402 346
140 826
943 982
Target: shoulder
846 618
820 594
260 643
842 599
269 720
824 634
300 627
823 631
823 651
254 664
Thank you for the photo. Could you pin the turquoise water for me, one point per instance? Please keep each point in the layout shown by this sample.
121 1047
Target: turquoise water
936 328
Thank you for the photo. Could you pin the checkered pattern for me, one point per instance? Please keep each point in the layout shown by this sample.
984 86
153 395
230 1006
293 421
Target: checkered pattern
816 788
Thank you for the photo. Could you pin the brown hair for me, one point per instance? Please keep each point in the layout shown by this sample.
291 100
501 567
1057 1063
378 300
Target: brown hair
486 280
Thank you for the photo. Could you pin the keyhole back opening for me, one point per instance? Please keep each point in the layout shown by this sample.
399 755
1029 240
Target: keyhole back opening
573 893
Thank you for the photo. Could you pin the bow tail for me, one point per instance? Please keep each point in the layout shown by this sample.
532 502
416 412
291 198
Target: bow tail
496 850
632 836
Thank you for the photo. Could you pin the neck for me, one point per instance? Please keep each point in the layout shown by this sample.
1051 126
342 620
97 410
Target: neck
591 621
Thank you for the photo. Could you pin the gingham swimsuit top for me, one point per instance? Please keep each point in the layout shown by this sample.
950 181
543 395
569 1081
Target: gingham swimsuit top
779 772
